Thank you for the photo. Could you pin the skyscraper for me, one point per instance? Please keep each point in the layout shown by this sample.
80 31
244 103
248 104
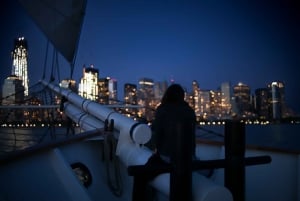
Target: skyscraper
69 84
88 86
204 104
216 103
159 89
103 90
113 90
12 94
226 97
19 64
146 90
261 103
146 96
241 93
276 99
130 94
12 91
195 94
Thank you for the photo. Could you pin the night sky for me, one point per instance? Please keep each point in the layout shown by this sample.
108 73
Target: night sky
254 42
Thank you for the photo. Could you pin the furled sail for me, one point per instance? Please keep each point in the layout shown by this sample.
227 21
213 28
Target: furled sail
61 22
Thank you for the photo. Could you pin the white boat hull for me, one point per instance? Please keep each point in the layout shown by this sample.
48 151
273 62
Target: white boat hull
47 175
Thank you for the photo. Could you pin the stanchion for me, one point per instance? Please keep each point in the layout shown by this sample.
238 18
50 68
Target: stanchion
181 161
234 173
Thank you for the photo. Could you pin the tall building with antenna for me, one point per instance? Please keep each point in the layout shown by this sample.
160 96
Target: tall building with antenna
20 61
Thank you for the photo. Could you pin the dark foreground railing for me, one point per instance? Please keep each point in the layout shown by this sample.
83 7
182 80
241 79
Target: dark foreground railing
234 166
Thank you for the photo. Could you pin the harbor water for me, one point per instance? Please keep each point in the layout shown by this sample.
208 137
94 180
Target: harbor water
284 137
277 136
18 138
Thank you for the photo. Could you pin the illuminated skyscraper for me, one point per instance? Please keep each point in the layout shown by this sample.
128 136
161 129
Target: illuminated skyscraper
69 84
276 99
12 91
113 90
88 86
159 89
216 103
103 90
261 103
130 94
12 94
146 90
146 97
204 103
130 98
241 93
226 98
19 64
196 100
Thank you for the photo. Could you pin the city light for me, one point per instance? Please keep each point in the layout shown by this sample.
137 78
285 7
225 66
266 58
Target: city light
212 107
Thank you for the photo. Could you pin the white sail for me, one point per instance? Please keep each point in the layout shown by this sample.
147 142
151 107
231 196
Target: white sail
60 21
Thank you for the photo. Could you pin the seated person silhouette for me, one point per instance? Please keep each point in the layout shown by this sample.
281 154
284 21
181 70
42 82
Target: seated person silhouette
173 142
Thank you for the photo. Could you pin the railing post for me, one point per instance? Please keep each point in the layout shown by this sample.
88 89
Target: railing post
181 161
234 172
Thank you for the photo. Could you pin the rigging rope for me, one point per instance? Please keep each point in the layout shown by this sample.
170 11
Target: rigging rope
45 62
72 70
52 78
57 66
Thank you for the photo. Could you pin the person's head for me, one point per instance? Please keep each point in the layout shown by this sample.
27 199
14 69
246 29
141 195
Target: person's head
173 94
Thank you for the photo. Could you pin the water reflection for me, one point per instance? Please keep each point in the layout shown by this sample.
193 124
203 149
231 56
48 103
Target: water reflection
18 138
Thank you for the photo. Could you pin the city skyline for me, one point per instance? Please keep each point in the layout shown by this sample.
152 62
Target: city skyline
185 41
90 81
